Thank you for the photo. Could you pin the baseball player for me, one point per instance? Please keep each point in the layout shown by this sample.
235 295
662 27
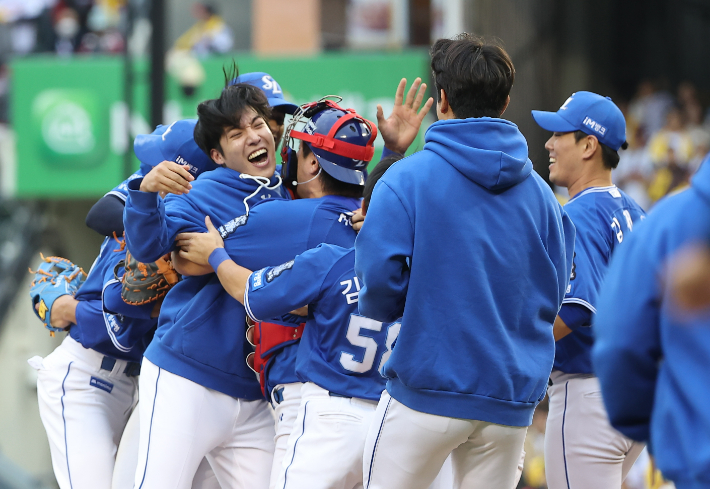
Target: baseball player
337 358
581 448
106 216
274 94
441 247
87 386
83 441
651 356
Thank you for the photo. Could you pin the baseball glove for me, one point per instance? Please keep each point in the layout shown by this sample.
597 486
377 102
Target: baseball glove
147 282
54 278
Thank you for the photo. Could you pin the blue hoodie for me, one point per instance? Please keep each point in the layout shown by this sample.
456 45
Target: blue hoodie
201 329
653 362
124 336
470 246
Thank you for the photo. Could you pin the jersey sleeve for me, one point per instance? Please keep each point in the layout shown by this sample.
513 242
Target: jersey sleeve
151 223
274 291
627 350
382 251
592 250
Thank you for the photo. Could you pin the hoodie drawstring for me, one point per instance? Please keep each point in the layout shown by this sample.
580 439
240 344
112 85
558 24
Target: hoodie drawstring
263 183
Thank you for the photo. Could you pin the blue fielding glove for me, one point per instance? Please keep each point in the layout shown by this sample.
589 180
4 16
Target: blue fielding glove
54 278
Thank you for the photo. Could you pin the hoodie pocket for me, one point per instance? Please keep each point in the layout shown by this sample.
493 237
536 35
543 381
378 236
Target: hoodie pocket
215 339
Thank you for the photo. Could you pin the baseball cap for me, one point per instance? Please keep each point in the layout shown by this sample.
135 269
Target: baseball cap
176 143
270 87
590 113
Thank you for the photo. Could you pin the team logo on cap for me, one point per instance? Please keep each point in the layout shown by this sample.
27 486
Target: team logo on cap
564 106
594 126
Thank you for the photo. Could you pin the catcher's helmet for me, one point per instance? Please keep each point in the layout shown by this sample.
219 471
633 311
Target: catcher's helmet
341 140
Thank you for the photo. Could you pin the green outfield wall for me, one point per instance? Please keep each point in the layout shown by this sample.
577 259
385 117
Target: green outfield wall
72 125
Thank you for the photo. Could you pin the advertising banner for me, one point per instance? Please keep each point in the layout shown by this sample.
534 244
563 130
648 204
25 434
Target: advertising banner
73 126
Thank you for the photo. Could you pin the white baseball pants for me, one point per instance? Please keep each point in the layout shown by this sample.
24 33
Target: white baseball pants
326 446
84 410
405 449
124 472
286 399
182 422
582 450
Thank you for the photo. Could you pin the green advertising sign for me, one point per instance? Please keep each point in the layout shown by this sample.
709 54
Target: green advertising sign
73 127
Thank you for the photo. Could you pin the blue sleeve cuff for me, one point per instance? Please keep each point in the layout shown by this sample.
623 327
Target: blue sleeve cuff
217 257
139 199
575 316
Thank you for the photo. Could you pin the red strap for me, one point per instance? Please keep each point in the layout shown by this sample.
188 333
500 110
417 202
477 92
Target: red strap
341 148
271 335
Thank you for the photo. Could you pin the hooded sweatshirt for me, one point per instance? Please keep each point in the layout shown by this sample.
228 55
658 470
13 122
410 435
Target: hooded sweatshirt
651 359
470 246
201 329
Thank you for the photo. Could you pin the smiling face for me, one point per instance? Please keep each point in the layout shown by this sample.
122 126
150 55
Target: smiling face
566 160
248 148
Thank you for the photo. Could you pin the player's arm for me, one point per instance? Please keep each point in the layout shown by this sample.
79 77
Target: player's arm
570 318
63 313
627 351
382 250
183 266
151 222
106 216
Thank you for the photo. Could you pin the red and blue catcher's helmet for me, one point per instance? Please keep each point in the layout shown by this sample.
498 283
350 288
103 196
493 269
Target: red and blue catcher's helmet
341 140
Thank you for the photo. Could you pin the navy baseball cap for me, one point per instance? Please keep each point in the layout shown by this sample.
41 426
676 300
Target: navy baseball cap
270 87
590 113
176 143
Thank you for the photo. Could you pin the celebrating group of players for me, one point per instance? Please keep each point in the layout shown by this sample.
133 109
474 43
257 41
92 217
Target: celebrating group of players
412 357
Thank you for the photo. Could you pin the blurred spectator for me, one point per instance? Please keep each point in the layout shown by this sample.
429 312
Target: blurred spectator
210 34
635 169
650 106
22 17
671 150
66 27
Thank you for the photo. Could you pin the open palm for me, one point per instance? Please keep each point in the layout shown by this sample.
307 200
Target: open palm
402 126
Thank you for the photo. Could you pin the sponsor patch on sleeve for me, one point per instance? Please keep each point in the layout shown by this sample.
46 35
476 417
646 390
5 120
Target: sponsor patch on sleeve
276 271
257 279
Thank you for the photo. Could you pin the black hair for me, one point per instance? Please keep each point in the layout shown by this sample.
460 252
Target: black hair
476 75
375 176
216 116
333 186
610 158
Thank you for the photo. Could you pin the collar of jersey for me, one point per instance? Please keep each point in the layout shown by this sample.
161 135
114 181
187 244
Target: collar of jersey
592 189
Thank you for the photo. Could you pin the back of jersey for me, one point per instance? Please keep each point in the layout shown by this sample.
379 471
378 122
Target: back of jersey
603 216
342 351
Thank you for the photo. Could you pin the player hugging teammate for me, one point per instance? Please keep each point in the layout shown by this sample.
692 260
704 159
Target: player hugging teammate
428 338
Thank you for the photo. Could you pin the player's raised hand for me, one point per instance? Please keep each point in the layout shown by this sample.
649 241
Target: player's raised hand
168 178
197 247
402 126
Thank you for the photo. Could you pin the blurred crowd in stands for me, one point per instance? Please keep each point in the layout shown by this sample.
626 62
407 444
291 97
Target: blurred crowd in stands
668 136
69 27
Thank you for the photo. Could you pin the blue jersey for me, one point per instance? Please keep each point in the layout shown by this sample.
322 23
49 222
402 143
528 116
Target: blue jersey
603 216
121 190
340 350
122 335
279 230
201 330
